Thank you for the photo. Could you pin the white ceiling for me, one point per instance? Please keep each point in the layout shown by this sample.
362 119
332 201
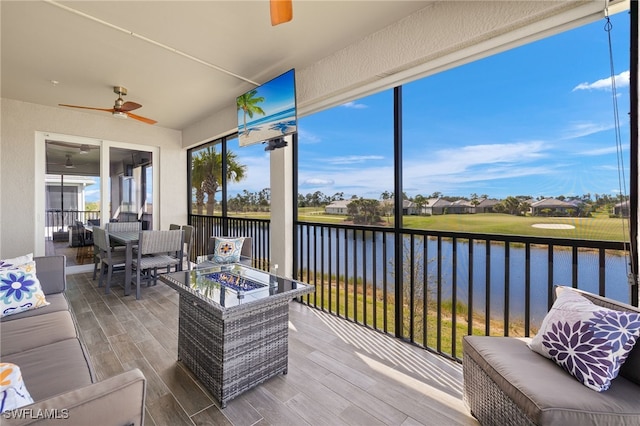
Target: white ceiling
82 45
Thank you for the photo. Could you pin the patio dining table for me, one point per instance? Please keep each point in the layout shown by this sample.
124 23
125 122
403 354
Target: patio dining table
128 239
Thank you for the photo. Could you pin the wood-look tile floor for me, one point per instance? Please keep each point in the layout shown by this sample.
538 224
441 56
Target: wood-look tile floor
339 373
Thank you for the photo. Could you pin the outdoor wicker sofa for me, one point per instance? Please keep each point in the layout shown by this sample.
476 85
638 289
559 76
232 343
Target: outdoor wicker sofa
507 383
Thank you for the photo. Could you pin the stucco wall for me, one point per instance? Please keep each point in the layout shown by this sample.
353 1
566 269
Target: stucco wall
20 122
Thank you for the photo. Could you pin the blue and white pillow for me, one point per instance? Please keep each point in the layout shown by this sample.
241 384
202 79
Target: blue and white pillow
227 250
13 393
16 261
20 289
589 341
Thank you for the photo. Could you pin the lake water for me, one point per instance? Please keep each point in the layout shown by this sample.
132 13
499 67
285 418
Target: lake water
352 261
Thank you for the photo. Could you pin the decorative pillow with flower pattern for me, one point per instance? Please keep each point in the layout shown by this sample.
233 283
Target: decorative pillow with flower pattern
227 250
20 289
13 393
16 261
589 341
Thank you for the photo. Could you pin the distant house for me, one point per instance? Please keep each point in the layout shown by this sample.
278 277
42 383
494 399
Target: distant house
435 206
553 206
337 207
408 207
621 209
486 205
460 207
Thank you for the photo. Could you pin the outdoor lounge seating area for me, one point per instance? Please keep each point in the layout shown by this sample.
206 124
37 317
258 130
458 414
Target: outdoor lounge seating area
509 380
226 294
45 363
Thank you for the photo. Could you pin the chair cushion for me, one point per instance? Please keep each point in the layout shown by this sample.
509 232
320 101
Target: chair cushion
38 330
49 370
20 289
156 261
544 391
590 342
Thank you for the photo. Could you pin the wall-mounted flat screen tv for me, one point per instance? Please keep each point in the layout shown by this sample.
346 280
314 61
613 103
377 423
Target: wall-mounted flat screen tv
268 111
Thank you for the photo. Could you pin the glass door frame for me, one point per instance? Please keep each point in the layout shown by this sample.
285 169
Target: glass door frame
105 145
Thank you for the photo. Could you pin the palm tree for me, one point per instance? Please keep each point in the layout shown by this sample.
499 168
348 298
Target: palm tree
197 178
207 175
248 104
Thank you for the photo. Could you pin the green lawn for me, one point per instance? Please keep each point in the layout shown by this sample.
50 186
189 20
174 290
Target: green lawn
600 227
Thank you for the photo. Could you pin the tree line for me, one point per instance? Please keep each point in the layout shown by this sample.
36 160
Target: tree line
206 181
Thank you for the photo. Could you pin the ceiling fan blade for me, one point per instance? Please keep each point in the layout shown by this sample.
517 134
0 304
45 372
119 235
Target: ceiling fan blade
84 107
140 118
130 106
281 11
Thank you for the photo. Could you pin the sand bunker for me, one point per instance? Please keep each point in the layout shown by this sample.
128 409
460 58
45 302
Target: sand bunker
553 226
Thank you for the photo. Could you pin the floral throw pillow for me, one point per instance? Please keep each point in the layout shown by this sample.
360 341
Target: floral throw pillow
13 393
227 250
20 289
589 341
16 261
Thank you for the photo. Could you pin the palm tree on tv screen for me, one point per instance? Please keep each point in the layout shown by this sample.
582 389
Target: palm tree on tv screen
249 106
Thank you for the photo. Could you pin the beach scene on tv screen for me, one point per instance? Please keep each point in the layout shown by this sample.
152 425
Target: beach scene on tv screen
268 111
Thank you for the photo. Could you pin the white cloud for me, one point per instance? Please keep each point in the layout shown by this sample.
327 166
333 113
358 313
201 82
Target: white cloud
318 182
306 137
602 151
354 105
621 80
353 159
445 170
578 130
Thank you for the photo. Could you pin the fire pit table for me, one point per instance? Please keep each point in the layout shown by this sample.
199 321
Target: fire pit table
233 325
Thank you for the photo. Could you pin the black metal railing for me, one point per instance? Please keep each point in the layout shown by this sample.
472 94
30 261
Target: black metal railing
57 222
444 285
449 284
207 226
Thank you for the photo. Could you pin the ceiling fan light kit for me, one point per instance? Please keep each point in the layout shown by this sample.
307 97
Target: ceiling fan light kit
69 164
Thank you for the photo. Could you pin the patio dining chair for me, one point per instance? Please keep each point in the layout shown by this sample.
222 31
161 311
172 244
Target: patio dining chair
188 242
85 243
108 258
157 250
123 226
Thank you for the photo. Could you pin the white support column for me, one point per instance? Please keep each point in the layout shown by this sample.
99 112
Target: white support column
282 209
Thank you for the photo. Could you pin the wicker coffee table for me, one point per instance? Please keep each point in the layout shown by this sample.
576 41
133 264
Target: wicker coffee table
233 325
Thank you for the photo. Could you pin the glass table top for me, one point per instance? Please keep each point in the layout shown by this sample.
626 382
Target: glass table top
232 284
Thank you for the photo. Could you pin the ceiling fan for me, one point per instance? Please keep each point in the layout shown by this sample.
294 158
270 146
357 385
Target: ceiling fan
281 11
121 108
84 148
68 164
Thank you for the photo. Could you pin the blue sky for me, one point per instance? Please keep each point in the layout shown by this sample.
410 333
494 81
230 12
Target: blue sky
535 120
